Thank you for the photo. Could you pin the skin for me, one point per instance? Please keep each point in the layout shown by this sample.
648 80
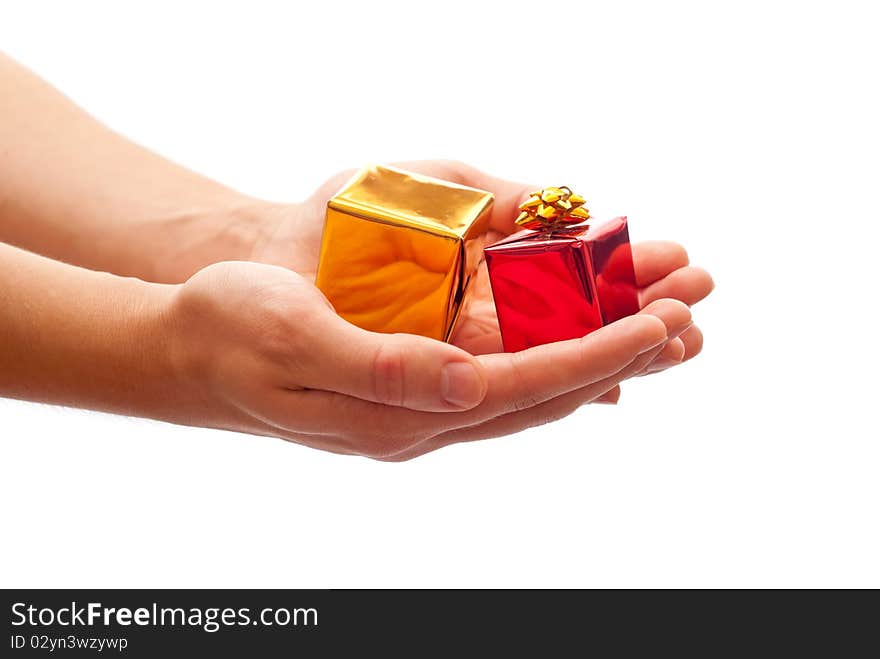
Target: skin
129 284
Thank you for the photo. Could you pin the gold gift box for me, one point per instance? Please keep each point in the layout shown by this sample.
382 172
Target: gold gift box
399 250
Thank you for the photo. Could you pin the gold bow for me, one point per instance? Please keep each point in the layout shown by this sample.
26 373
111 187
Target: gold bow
552 207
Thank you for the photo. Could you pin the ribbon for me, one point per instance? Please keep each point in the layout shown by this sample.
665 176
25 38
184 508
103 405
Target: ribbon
552 208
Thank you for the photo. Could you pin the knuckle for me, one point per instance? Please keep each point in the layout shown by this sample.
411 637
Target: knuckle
388 373
525 397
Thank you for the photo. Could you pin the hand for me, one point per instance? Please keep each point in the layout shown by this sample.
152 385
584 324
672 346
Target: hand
662 269
261 351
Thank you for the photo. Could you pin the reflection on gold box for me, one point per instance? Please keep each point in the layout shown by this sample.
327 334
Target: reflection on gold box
399 249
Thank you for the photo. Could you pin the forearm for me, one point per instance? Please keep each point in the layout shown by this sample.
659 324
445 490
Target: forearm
75 337
73 190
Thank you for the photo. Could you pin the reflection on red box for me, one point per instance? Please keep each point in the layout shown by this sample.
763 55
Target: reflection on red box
563 283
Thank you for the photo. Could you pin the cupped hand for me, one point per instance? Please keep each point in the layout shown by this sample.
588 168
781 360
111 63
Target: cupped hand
662 268
261 350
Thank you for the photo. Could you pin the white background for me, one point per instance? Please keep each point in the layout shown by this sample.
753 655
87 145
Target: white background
748 132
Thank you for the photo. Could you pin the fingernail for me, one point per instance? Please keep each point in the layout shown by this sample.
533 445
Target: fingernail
460 385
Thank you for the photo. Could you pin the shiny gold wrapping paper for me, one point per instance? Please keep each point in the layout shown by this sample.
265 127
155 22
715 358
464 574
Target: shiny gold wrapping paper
399 249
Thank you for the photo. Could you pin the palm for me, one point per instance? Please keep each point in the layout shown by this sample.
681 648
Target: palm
661 268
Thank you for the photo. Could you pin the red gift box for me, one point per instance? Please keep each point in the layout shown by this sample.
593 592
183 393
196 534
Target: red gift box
561 282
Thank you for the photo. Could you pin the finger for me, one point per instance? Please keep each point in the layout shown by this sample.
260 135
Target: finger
514 422
388 438
533 376
675 314
516 381
690 285
691 343
655 259
401 370
676 318
692 338
671 355
610 397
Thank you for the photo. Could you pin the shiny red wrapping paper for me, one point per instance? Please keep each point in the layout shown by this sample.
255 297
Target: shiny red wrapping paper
563 283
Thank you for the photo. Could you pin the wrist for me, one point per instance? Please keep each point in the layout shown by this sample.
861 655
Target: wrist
143 349
192 239
187 348
183 358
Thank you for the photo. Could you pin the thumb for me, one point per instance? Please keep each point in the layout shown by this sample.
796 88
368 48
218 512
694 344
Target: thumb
404 370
